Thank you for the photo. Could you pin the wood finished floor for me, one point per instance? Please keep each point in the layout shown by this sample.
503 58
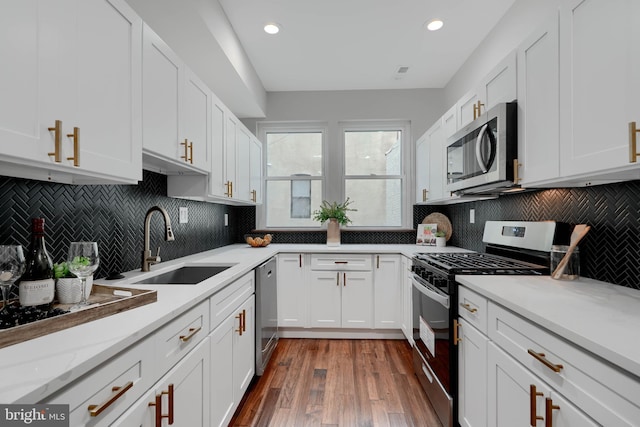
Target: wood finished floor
346 383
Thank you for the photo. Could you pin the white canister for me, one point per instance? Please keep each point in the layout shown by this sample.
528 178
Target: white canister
68 290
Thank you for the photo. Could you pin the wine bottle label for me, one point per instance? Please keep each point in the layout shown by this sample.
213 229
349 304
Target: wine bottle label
37 292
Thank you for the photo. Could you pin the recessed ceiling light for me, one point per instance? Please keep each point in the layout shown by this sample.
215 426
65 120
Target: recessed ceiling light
435 25
272 28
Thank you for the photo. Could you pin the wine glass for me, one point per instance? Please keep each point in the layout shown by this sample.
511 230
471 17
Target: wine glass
12 265
83 260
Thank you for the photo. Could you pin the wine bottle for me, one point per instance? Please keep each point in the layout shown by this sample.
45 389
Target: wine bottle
37 284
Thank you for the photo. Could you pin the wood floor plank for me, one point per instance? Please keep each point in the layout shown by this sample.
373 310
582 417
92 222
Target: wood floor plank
337 383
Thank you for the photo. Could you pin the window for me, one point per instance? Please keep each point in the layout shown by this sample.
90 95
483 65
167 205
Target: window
365 161
294 175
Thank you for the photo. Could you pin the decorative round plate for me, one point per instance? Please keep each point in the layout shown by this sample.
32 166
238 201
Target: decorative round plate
443 223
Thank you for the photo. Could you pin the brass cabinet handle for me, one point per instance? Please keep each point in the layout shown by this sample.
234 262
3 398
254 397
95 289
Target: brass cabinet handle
192 332
540 358
254 196
240 322
76 146
191 153
456 338
548 413
230 188
338 278
244 320
158 405
477 108
185 156
378 261
633 142
57 137
424 194
516 174
228 185
533 413
344 279
468 307
117 392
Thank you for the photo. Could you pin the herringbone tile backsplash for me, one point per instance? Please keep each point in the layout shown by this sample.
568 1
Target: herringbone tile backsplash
114 217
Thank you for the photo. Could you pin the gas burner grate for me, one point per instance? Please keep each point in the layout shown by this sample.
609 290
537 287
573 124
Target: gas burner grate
480 263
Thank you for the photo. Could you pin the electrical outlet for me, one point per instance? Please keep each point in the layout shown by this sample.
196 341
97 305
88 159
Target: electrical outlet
226 220
472 216
184 215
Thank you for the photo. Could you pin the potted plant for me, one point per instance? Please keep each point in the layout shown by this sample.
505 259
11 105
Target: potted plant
67 284
336 214
441 239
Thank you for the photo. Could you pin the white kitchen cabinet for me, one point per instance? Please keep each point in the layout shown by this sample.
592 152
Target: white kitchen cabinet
472 376
55 52
499 85
599 88
517 397
407 300
232 361
539 105
176 112
255 164
422 168
450 122
341 299
216 184
183 392
230 152
292 290
242 181
387 291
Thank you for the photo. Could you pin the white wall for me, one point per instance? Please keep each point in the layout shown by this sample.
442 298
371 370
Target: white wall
420 106
519 21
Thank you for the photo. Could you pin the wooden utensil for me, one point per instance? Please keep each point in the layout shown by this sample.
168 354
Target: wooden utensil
579 231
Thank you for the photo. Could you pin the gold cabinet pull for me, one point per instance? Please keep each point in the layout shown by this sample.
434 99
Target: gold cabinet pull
228 192
548 413
540 358
57 138
117 393
185 156
158 405
338 278
424 194
192 332
468 307
242 322
254 196
76 146
378 261
516 170
456 337
633 142
191 152
239 330
344 279
477 108
533 412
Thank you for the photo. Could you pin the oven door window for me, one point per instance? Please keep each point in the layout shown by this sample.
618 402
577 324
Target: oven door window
431 332
474 154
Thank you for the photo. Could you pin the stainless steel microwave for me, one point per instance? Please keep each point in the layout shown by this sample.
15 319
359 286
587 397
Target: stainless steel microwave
480 157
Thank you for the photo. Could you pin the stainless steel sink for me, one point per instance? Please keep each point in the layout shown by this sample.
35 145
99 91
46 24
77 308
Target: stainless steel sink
190 275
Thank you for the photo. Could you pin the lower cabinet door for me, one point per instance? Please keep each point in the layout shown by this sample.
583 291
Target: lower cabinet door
519 398
232 362
180 398
325 299
472 376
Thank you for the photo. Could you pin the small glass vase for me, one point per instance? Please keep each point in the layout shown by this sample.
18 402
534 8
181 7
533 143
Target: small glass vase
333 232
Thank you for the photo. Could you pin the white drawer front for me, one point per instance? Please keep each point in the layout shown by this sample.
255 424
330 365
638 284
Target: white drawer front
601 390
131 372
473 308
225 302
341 262
175 339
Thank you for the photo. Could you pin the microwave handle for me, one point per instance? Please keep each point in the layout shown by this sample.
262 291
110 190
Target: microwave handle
479 158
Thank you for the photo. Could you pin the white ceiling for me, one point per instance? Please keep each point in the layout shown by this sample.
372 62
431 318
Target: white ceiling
359 44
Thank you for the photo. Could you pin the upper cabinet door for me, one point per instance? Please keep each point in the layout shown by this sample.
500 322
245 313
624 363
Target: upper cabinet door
255 155
217 175
241 185
423 160
450 122
108 58
161 87
196 123
600 88
539 105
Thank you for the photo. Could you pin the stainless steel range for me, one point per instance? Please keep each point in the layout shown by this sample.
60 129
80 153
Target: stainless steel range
513 248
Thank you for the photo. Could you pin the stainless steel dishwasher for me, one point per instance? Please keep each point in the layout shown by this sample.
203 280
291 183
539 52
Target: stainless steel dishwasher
266 313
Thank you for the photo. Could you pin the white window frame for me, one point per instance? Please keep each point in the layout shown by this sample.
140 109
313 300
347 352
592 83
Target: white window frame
333 165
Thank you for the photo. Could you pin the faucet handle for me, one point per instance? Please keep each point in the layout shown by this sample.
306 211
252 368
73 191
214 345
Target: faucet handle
158 253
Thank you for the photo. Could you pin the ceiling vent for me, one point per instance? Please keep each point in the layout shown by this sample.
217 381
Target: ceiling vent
402 70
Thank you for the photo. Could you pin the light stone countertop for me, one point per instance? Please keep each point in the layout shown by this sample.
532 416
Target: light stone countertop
597 316
34 369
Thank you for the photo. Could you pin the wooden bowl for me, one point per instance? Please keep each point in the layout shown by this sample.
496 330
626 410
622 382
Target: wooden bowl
258 240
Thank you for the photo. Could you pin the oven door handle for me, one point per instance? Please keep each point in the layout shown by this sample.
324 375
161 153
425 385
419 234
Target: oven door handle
443 300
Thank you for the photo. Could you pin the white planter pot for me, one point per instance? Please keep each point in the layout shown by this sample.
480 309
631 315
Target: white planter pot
441 242
68 290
